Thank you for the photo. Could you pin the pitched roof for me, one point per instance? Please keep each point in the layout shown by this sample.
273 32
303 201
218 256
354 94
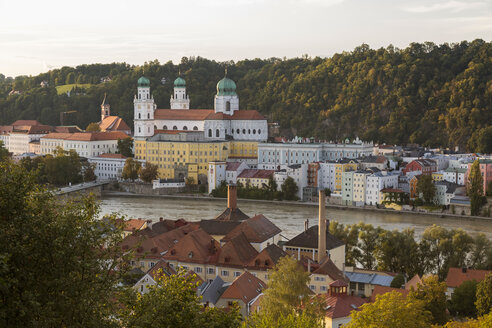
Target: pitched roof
87 136
67 129
108 155
213 291
245 288
255 173
196 247
267 258
370 278
237 251
232 214
456 276
327 267
182 115
256 229
133 224
232 166
218 227
413 282
113 123
25 123
340 305
380 290
238 115
309 239
374 159
159 269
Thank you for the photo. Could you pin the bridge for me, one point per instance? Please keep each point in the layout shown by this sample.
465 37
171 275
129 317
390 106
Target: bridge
84 188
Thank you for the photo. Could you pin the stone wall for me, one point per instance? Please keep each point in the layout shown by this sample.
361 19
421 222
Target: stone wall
146 189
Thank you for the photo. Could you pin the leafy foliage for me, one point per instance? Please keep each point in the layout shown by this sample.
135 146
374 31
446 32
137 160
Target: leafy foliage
289 189
93 127
130 170
463 300
484 296
433 295
475 188
426 187
148 172
125 147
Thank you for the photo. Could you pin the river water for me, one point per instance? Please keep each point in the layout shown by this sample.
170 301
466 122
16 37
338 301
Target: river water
289 218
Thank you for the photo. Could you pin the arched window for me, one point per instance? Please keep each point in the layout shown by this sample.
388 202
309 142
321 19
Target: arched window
237 131
217 133
228 106
249 131
164 127
175 127
254 131
195 128
185 128
259 131
244 131
139 129
148 115
210 133
139 115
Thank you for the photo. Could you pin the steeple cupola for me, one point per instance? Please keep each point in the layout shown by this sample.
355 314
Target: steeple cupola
143 108
180 100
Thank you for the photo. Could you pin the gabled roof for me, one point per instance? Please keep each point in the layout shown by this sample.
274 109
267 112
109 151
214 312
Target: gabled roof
113 123
245 288
380 290
182 115
456 276
68 129
340 305
213 291
232 214
87 136
256 229
309 239
196 247
25 123
267 258
255 173
232 166
237 251
218 228
374 159
159 269
413 282
327 267
238 115
133 224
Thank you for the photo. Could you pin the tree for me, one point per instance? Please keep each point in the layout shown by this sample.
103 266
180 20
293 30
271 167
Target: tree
293 320
481 253
463 300
433 295
287 288
125 147
173 302
485 140
93 127
367 245
391 310
289 189
327 192
89 174
131 169
272 184
38 231
4 153
349 234
398 281
475 188
426 187
148 172
189 181
482 322
436 248
397 252
484 296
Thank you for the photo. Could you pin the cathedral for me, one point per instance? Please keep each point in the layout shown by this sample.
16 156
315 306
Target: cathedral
225 122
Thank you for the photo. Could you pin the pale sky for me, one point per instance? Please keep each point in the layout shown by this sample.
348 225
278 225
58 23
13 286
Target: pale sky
37 35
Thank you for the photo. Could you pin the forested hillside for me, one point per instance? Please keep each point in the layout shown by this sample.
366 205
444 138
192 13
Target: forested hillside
434 95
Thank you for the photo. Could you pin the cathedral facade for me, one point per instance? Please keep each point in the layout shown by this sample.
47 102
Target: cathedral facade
225 122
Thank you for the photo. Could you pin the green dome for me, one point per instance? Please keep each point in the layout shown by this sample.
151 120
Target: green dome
179 83
143 82
226 87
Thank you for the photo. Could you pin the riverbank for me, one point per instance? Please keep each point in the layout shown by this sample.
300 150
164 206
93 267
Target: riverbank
296 203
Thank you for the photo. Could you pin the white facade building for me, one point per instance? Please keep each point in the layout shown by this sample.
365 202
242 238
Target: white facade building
108 166
377 181
455 175
298 172
144 108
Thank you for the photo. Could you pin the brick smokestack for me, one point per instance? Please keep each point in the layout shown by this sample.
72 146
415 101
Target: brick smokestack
322 227
231 196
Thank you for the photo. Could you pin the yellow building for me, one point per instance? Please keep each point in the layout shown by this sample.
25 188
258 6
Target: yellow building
340 167
438 176
182 155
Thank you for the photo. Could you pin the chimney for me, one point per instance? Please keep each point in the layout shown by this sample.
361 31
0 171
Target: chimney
161 219
149 224
322 227
231 196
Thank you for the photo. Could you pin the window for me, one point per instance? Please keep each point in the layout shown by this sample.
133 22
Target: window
164 127
195 128
237 273
244 131
175 127
185 128
228 106
210 133
237 131
312 287
224 273
210 270
323 288
217 133
254 131
198 270
139 115
259 131
148 115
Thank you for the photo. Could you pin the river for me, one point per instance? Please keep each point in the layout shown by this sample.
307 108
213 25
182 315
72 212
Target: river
289 218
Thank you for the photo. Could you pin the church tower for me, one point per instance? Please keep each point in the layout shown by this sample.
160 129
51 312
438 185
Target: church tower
105 111
226 99
144 107
180 100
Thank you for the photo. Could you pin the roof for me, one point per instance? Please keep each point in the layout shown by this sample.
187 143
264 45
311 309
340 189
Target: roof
256 174
455 170
456 276
237 115
425 162
309 239
246 287
226 87
133 224
237 251
413 282
196 247
392 190
267 258
369 278
182 115
160 268
233 166
87 136
340 305
213 291
232 214
113 123
327 267
107 155
25 123
67 129
218 227
374 159
380 290
256 229
32 129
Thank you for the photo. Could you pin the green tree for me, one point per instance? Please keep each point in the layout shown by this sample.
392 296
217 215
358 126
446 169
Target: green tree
289 189
125 147
463 300
4 153
433 295
272 184
173 302
131 169
391 310
475 188
485 140
148 172
426 187
38 231
484 296
398 281
292 320
89 174
397 251
367 245
481 253
482 322
436 248
93 127
349 234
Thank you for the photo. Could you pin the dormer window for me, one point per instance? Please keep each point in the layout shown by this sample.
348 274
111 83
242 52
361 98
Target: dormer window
190 255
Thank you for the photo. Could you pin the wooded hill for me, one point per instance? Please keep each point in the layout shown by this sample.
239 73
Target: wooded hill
433 95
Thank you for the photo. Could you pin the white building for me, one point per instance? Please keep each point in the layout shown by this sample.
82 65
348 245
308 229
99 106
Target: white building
20 138
225 121
455 175
219 171
86 144
273 155
108 166
377 181
298 172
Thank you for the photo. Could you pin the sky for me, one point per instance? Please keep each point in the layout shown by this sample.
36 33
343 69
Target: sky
36 36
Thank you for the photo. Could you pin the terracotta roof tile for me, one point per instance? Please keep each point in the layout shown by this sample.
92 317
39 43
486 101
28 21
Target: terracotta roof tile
232 214
380 290
456 276
267 258
340 305
327 267
237 252
87 136
245 288
113 123
112 156
256 229
256 174
183 115
25 123
133 224
196 247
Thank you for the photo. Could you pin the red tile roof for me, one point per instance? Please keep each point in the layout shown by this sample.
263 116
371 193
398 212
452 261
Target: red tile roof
340 305
87 136
380 290
133 224
413 282
113 156
238 115
237 252
456 276
245 288
196 247
256 229
233 166
327 267
113 123
67 129
182 115
256 174
25 123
